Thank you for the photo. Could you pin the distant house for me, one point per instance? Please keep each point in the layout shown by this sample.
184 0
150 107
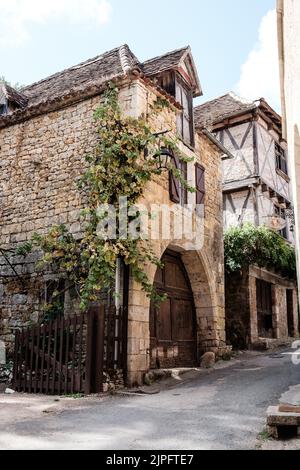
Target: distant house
45 132
256 189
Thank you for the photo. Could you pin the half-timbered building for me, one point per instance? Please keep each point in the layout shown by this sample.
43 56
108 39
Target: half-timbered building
256 189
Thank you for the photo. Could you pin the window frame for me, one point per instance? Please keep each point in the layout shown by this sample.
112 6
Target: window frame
281 159
280 211
183 192
185 116
200 190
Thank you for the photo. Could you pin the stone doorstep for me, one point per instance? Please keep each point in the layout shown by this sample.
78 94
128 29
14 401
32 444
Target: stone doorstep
282 416
159 374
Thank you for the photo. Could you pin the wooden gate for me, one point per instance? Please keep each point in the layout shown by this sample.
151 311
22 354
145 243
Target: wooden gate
70 355
173 334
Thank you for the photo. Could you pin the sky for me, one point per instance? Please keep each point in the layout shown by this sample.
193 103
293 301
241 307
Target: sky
233 41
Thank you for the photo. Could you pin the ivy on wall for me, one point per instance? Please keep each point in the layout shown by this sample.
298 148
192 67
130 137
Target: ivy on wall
250 245
117 168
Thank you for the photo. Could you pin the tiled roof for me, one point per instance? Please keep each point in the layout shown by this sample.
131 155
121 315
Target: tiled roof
164 62
216 110
96 71
88 78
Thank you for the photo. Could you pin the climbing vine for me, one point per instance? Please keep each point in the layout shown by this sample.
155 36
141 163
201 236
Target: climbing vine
261 246
116 168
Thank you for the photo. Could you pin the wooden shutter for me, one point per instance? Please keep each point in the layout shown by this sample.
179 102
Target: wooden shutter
174 184
200 184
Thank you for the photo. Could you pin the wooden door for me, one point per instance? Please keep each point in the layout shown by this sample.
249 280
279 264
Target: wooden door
264 309
173 323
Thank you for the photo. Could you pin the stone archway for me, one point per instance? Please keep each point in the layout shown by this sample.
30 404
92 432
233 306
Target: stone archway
208 300
206 286
173 326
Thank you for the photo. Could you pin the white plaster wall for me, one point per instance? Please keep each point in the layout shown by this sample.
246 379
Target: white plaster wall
267 160
236 212
242 166
289 47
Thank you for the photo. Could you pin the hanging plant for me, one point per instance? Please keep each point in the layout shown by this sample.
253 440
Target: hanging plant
250 245
117 168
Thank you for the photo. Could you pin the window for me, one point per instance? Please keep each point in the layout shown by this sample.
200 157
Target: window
280 212
182 188
281 161
178 192
200 184
176 87
185 121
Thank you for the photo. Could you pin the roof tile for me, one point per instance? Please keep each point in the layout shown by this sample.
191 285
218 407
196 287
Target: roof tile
220 108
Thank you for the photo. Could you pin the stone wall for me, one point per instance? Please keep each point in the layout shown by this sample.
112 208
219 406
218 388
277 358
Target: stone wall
279 308
41 160
241 306
204 265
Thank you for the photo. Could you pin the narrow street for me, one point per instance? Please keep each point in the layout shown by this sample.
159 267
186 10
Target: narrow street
223 409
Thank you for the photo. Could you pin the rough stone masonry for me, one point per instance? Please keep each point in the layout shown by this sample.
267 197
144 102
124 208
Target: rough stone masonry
42 154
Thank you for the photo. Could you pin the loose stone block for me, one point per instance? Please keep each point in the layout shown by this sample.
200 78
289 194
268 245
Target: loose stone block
208 360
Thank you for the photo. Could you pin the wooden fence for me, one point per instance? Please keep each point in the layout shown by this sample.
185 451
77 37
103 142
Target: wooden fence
69 355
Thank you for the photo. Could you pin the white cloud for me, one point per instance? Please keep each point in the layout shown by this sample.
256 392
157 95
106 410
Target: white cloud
17 16
260 73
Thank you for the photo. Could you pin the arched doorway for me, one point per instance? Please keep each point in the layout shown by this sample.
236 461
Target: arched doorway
173 329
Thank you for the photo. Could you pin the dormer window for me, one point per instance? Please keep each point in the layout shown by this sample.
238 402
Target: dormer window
176 73
185 119
281 159
172 83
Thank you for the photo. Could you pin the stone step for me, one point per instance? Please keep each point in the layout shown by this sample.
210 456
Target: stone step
282 417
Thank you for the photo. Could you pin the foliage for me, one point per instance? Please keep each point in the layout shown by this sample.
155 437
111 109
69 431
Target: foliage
261 246
16 86
24 249
116 168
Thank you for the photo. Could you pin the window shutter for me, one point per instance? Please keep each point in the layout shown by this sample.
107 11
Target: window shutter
174 184
200 184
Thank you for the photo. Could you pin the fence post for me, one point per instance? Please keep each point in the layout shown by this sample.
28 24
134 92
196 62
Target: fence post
16 362
95 350
89 351
99 348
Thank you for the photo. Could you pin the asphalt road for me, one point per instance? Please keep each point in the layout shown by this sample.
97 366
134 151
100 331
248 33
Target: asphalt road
223 409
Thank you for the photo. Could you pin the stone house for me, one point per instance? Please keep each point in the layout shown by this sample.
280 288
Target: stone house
45 132
256 188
